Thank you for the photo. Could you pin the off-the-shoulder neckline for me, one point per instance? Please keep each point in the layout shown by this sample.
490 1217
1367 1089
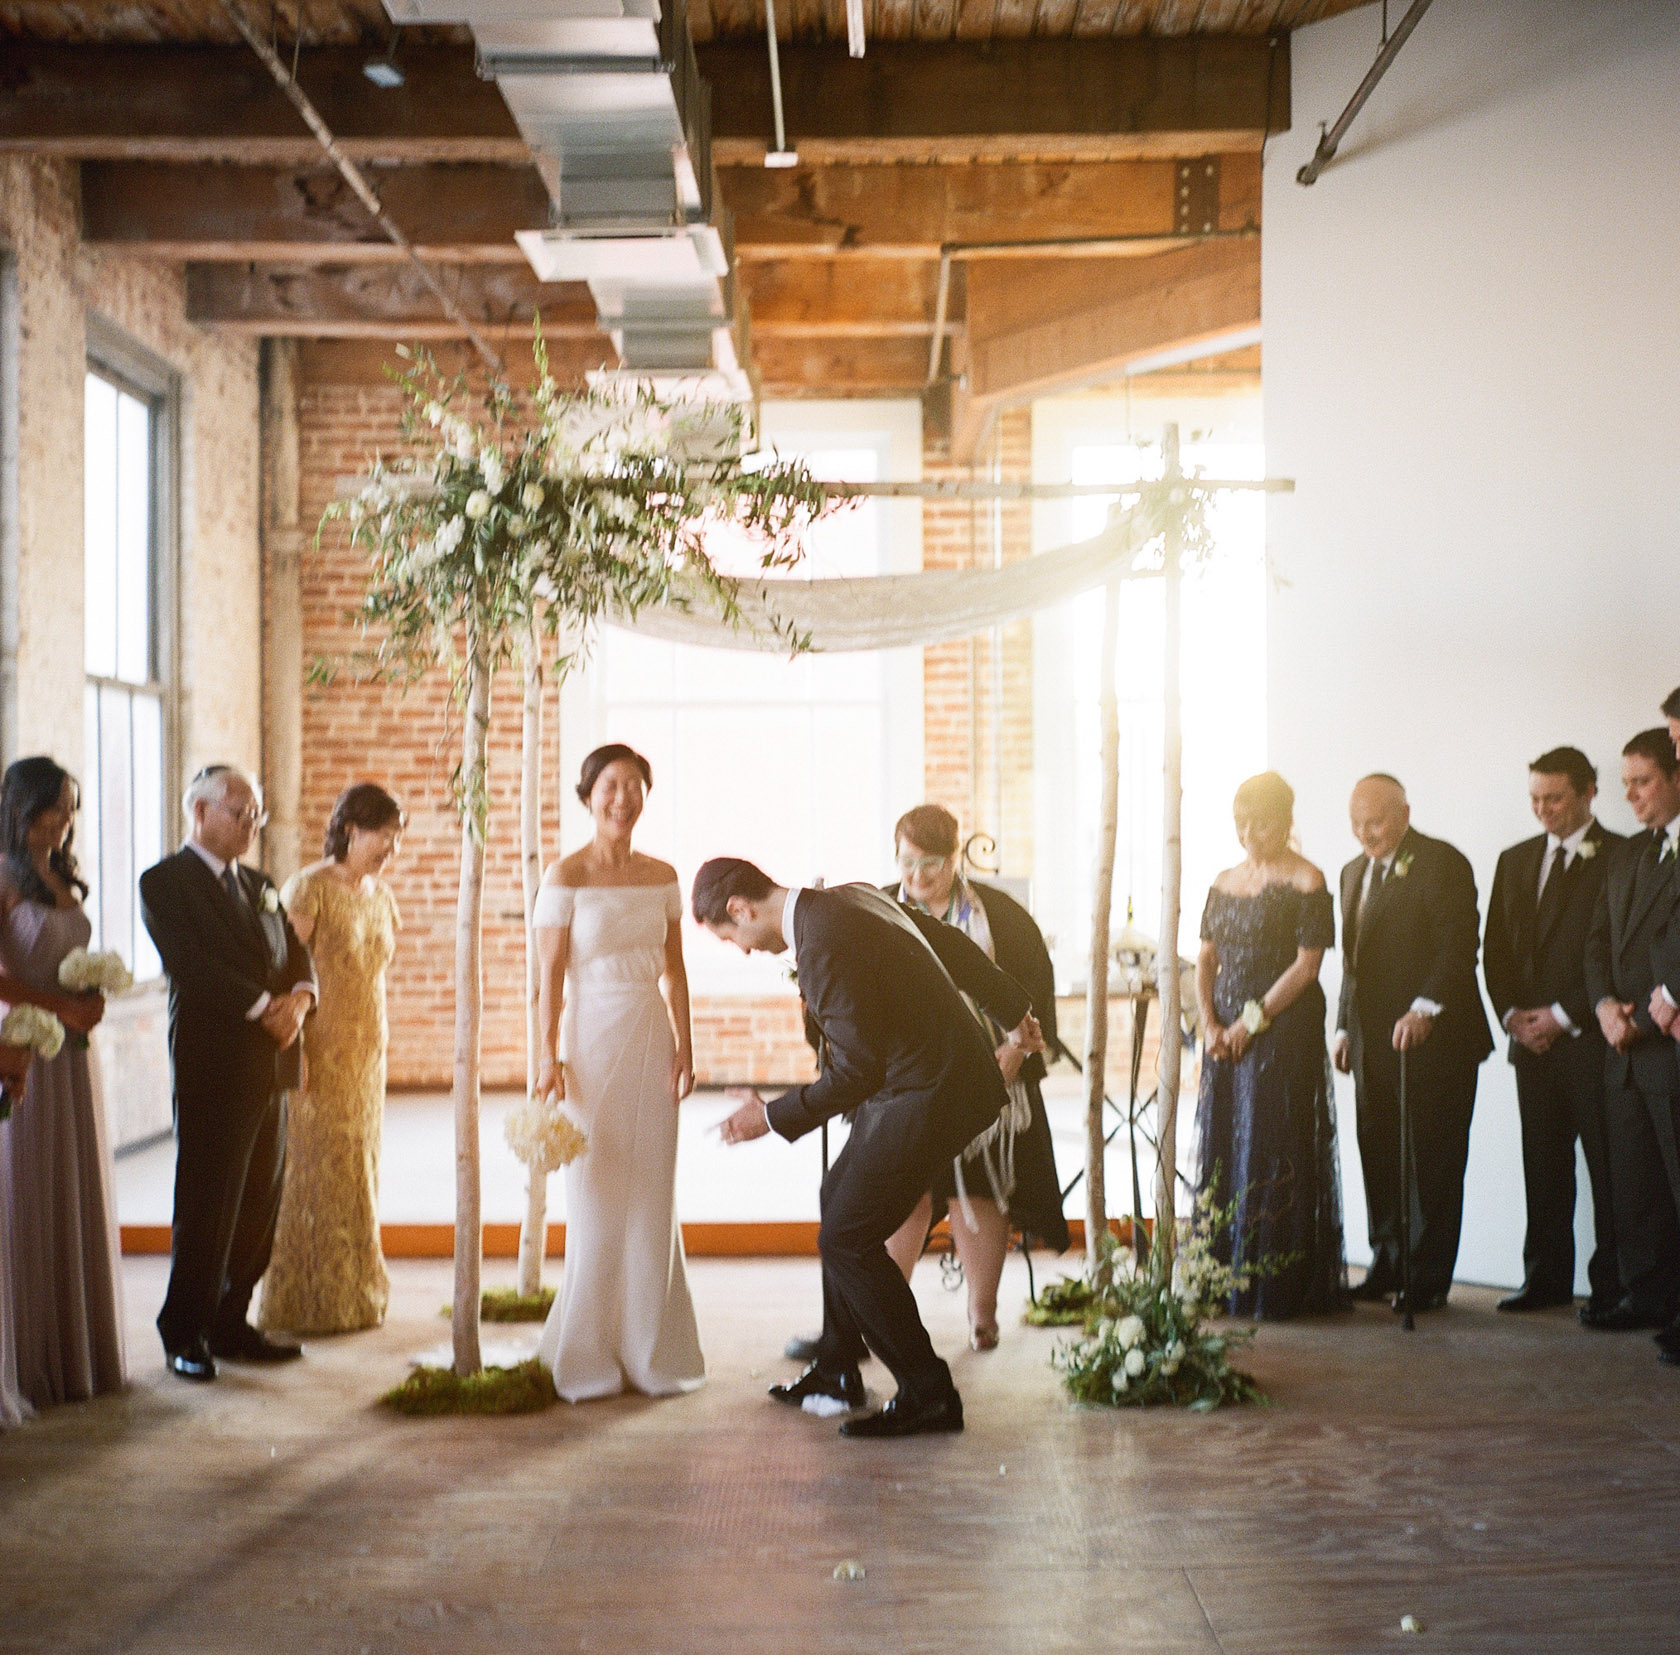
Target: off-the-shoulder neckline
667 885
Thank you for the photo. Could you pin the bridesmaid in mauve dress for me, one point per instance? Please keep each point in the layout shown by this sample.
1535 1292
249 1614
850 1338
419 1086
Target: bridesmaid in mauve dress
66 1281
14 1070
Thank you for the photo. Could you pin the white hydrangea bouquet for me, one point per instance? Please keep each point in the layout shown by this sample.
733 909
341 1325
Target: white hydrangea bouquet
38 1030
543 1136
93 971
1147 1340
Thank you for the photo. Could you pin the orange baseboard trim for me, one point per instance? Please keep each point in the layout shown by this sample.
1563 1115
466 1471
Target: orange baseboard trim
789 1238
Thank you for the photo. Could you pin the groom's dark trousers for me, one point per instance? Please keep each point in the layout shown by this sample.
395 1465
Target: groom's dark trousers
908 1057
222 954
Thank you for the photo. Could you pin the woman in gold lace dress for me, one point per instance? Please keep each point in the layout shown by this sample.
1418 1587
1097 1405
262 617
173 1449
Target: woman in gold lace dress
327 1274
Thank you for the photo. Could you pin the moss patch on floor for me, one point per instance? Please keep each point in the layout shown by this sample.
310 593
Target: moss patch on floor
525 1389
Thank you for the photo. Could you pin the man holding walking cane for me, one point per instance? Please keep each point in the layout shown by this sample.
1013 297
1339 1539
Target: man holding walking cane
1410 929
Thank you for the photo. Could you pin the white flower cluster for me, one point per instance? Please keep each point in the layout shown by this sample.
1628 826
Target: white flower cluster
32 1027
543 1136
100 972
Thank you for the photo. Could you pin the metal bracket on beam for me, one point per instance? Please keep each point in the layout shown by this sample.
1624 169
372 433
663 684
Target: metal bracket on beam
1196 196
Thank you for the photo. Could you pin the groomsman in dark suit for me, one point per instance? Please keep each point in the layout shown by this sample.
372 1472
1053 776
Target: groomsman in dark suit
1540 913
905 1054
1632 938
1409 936
240 985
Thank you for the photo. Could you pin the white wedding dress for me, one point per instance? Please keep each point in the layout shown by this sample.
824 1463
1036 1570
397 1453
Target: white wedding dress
623 1317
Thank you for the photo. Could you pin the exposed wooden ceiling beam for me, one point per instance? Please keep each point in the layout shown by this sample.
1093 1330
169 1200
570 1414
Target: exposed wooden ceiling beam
369 361
1128 97
467 213
806 299
463 213
1028 336
905 211
218 103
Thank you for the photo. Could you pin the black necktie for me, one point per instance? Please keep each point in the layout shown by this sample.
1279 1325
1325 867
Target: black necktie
230 883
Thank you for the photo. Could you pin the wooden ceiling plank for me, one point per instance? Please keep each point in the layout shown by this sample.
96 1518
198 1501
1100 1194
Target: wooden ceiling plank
210 102
368 362
841 367
1094 18
1056 18
961 90
974 19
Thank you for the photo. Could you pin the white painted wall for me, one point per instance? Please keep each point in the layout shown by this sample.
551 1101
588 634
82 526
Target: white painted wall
1472 344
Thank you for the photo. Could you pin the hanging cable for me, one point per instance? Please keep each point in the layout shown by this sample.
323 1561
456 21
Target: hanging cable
355 178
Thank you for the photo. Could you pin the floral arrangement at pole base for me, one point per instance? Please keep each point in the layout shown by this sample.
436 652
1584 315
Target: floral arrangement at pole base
1147 1338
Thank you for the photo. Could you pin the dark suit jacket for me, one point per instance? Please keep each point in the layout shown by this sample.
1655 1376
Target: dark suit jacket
1418 940
221 960
1633 931
1537 957
878 982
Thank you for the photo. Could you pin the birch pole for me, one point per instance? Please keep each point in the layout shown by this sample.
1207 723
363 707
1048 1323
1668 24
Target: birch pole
533 1233
469 1003
1102 902
1172 857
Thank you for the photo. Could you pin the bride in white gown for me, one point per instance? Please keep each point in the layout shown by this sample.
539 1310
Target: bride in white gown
609 935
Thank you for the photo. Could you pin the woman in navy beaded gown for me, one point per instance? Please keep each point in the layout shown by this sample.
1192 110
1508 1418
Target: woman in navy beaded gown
1267 1136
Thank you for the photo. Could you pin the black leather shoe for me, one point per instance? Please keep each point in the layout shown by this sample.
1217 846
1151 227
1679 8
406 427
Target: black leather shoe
250 1344
1669 1358
908 1419
1625 1317
1370 1290
1668 1339
844 1387
802 1347
192 1361
1531 1298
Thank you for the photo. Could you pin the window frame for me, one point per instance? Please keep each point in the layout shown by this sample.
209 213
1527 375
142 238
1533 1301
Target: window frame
135 371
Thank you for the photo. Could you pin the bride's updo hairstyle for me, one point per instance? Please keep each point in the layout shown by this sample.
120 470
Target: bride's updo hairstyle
1267 796
601 758
364 805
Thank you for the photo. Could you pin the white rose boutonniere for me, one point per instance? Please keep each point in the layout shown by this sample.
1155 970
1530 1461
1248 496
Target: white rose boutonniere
270 900
1402 866
1587 849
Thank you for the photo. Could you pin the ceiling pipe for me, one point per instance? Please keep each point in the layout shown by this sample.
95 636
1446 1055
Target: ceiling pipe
854 27
781 155
1330 141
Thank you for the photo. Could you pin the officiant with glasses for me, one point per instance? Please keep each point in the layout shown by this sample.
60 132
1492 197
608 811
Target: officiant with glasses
240 984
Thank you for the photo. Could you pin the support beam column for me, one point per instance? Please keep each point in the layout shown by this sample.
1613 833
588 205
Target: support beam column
282 555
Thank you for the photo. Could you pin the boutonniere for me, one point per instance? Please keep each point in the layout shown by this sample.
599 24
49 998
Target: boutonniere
1402 866
1587 849
270 900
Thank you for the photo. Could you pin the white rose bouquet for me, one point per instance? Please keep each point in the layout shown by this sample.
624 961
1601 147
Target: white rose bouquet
97 971
30 1026
543 1136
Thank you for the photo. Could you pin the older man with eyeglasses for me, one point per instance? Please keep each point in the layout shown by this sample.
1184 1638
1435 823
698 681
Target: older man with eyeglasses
240 985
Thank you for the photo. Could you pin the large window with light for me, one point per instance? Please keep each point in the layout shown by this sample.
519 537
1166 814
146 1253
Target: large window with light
127 529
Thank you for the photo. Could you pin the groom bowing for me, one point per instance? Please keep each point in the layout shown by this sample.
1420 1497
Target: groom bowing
907 1055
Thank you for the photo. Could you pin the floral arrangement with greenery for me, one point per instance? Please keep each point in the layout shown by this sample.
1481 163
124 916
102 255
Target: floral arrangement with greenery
1146 1336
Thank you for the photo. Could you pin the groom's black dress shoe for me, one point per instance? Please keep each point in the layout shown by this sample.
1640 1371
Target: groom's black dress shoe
909 1419
249 1344
1532 1298
844 1387
192 1361
802 1347
1625 1317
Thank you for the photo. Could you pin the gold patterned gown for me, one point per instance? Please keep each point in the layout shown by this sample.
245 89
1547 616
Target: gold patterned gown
327 1274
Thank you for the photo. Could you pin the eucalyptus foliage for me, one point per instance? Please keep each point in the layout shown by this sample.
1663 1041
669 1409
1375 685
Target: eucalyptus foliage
556 512
1146 1336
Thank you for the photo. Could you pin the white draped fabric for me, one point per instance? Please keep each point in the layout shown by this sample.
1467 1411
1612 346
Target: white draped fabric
893 611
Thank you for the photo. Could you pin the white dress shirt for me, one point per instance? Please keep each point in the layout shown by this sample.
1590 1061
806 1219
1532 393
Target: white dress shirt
787 915
218 867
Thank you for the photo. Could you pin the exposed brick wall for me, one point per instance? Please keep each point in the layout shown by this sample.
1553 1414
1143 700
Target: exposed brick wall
961 742
406 741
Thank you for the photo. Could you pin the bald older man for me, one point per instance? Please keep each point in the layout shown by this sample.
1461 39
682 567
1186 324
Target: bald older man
1410 928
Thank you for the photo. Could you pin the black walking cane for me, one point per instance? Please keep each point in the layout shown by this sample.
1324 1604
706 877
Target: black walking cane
1406 1319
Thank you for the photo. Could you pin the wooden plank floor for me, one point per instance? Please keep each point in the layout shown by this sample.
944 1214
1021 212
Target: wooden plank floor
1513 1483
